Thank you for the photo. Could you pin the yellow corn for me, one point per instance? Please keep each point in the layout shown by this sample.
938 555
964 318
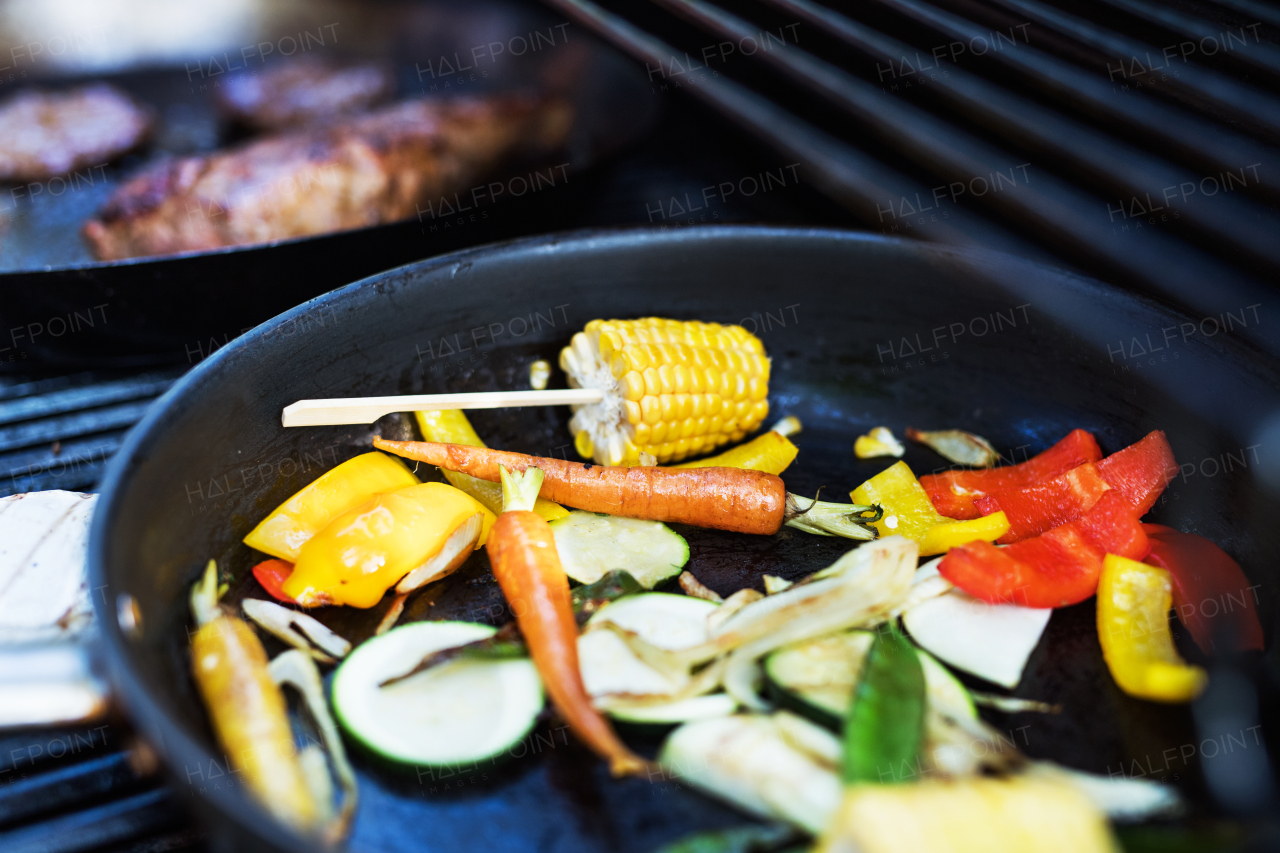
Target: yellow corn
450 426
673 389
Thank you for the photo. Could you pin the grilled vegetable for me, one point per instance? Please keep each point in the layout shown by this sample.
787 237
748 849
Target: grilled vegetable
750 761
885 725
770 452
463 711
451 426
283 533
1055 569
631 690
1046 505
522 551
1139 473
297 629
722 498
591 544
410 537
672 389
817 678
247 709
953 492
878 442
1202 572
1133 627
909 512
958 446
1022 814
992 641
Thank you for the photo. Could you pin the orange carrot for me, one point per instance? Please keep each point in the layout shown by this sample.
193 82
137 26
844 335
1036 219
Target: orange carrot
522 551
734 499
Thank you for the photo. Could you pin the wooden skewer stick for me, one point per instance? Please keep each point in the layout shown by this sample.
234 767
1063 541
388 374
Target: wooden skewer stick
366 410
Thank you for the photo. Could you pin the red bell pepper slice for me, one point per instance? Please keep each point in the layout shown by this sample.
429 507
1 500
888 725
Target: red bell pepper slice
1057 568
1141 471
953 492
1044 506
1211 593
272 574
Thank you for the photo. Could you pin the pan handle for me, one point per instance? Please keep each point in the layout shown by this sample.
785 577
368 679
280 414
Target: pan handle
50 684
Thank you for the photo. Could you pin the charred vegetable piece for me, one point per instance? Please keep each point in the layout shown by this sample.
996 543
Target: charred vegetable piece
247 709
885 725
591 544
953 492
749 760
283 533
1021 814
1201 573
1133 627
522 551
722 498
411 537
878 442
958 446
673 389
451 426
589 598
1055 569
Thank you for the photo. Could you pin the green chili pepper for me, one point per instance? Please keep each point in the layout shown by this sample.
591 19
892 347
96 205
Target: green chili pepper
885 725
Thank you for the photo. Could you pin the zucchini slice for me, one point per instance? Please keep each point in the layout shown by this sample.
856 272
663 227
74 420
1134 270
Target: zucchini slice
591 544
664 620
817 678
460 712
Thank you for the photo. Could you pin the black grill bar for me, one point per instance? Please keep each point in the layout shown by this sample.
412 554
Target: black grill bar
85 397
1260 55
1248 101
68 787
1203 142
122 820
1248 225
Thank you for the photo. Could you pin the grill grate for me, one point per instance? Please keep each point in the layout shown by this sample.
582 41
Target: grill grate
1153 179
59 432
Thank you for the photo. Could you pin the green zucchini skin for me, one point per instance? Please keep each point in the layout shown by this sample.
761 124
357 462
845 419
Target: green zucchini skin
792 672
591 544
397 728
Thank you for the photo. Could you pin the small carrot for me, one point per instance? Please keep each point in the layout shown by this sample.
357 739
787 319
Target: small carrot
734 499
522 551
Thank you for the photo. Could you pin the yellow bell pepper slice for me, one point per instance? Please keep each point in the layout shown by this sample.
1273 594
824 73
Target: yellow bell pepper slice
909 512
1133 628
450 426
365 551
948 534
770 452
283 533
907 509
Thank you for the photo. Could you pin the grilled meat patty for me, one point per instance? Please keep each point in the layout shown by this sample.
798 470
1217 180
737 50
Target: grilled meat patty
44 134
369 169
303 91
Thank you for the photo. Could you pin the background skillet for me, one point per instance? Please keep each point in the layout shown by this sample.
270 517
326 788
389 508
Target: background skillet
833 309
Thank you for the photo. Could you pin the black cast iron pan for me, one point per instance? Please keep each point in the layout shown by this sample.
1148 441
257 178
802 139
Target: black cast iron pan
61 308
862 331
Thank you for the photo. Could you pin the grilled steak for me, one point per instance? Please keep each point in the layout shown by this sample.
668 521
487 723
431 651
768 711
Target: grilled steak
303 91
43 134
369 169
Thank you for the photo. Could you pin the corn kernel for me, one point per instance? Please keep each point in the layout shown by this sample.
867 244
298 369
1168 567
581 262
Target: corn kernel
582 444
652 382
651 410
633 387
634 414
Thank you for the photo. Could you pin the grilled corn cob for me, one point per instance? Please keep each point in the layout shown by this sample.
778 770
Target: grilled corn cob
673 389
